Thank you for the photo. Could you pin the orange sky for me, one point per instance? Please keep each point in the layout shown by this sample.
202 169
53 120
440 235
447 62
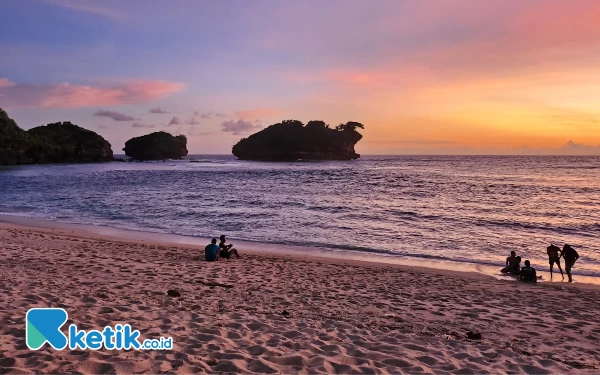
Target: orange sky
443 76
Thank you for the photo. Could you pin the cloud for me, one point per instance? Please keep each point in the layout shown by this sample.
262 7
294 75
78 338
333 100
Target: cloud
572 148
102 126
141 125
158 110
248 121
174 121
87 7
207 115
117 116
193 121
6 83
240 126
194 132
66 95
257 113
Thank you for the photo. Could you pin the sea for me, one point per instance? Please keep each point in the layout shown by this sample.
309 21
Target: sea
462 209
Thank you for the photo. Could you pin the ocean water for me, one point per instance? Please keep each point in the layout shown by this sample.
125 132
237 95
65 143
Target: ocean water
472 209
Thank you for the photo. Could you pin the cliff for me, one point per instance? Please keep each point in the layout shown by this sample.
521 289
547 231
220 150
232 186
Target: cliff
290 140
156 146
54 143
14 142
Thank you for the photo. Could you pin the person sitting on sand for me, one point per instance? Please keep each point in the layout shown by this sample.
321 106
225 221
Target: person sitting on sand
516 267
226 250
554 254
528 273
211 251
509 263
570 256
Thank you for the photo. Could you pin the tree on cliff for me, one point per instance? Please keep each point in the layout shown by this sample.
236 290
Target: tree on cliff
349 126
290 140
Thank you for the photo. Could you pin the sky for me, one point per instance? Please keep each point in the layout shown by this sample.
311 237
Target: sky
424 77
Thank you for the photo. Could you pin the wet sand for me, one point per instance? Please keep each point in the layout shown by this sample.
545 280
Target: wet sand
268 313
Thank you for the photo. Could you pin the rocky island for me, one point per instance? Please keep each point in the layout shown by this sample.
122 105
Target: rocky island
54 143
156 146
291 140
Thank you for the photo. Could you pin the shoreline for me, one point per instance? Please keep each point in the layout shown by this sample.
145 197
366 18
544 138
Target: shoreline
284 313
258 248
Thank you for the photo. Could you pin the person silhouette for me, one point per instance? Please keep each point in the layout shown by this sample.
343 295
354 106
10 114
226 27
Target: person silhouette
528 273
554 254
510 261
226 250
571 257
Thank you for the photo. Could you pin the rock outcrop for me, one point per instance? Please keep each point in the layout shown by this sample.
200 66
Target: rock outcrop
14 142
54 143
67 143
156 146
290 140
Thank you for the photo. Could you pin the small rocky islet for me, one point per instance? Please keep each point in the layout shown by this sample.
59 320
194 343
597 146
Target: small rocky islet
156 146
64 142
291 140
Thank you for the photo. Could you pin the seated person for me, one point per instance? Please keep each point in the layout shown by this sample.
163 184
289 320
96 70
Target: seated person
516 267
226 250
509 262
528 273
211 251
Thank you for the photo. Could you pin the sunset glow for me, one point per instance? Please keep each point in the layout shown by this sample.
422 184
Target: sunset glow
425 77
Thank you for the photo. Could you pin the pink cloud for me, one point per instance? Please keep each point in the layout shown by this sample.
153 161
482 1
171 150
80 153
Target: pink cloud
66 95
6 83
253 114
484 39
240 126
536 35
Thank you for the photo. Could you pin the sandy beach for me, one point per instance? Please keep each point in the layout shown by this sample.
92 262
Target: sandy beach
268 313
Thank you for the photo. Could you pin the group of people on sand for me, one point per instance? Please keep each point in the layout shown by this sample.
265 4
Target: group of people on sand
214 252
528 273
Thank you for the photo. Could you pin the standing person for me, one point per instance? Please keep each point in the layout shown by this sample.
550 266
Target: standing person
226 250
554 254
211 251
528 273
570 256
510 261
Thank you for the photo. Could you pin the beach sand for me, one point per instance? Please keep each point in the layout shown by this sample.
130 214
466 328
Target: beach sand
284 313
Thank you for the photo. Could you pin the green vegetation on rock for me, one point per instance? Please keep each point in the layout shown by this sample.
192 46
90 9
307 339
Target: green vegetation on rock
290 140
54 143
156 146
